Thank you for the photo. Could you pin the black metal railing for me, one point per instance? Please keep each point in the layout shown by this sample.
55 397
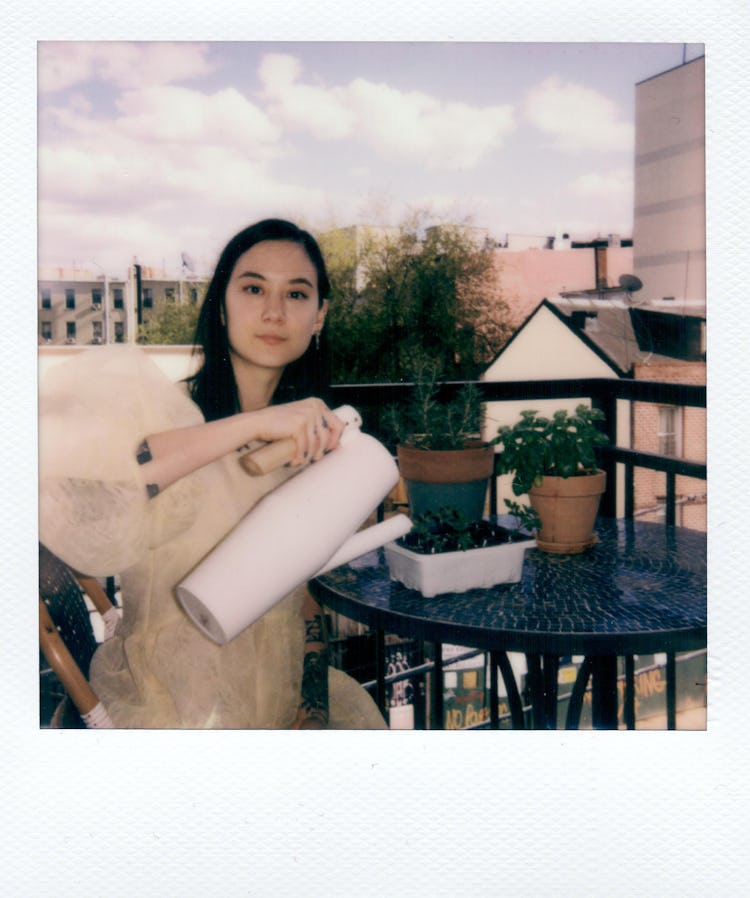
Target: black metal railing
604 393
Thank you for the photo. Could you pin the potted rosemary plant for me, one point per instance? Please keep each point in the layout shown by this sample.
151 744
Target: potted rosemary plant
553 461
442 459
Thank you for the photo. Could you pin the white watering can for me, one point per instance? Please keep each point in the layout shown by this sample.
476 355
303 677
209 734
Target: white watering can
306 526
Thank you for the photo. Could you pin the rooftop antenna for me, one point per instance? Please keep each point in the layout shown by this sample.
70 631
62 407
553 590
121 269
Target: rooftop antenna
630 282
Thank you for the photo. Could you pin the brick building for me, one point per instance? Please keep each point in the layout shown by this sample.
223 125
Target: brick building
80 306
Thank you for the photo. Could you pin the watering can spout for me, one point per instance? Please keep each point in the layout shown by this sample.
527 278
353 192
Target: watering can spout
305 527
367 541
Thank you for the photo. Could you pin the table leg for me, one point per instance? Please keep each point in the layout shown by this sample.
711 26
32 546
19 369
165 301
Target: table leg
671 672
604 692
494 697
500 660
629 707
437 715
543 687
551 669
575 704
419 689
380 697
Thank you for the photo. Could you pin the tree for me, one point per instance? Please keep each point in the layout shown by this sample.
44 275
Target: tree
412 295
172 324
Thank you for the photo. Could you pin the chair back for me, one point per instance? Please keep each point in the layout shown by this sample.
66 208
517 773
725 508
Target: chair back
67 639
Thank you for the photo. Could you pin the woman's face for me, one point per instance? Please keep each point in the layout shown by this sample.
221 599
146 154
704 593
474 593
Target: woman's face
271 305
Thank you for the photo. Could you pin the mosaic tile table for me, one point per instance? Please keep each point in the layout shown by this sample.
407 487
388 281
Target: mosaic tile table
641 589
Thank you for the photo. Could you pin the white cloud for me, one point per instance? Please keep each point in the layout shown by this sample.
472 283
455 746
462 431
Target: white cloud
577 117
410 126
165 114
63 64
605 185
177 113
320 112
134 175
132 198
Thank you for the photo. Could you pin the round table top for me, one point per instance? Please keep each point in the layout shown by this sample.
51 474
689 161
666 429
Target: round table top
641 589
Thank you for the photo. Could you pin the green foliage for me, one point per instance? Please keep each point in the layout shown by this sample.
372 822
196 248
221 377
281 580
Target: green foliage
426 422
173 324
411 293
447 530
526 517
561 446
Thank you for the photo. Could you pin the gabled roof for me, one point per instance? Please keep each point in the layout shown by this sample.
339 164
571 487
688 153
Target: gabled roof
566 321
606 327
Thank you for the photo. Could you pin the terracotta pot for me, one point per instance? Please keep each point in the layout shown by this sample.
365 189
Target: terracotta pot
435 478
475 462
567 507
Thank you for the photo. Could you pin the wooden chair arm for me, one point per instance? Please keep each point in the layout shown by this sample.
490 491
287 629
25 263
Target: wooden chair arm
61 661
93 589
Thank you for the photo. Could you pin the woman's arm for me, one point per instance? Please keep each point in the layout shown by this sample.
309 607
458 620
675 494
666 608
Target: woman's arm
313 707
167 456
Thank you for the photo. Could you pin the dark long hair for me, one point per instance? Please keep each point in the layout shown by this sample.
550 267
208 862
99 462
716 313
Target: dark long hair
213 387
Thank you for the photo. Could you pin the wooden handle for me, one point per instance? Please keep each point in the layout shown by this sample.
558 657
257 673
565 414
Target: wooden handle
269 457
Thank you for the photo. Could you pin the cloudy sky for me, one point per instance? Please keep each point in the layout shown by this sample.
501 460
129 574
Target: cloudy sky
151 149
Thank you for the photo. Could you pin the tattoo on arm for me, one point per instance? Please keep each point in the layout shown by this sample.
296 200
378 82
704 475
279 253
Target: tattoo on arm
143 453
314 691
315 685
314 629
143 457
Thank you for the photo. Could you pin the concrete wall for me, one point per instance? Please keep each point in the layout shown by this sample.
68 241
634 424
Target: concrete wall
669 232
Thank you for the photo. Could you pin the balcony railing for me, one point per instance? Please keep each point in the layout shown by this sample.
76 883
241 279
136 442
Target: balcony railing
603 393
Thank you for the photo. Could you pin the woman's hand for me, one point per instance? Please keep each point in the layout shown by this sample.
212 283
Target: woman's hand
167 456
314 428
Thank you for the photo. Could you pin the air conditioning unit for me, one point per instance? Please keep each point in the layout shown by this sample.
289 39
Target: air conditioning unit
96 307
97 340
70 339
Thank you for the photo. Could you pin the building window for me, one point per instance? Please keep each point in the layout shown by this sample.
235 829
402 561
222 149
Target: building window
169 293
119 332
148 298
70 332
194 295
670 442
118 297
46 299
70 298
98 331
47 331
96 298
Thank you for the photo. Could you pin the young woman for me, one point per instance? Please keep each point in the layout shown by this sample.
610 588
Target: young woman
141 477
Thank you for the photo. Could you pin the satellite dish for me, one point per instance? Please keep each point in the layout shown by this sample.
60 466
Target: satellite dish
630 282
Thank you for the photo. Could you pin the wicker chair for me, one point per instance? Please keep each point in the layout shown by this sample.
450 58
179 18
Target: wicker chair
67 641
